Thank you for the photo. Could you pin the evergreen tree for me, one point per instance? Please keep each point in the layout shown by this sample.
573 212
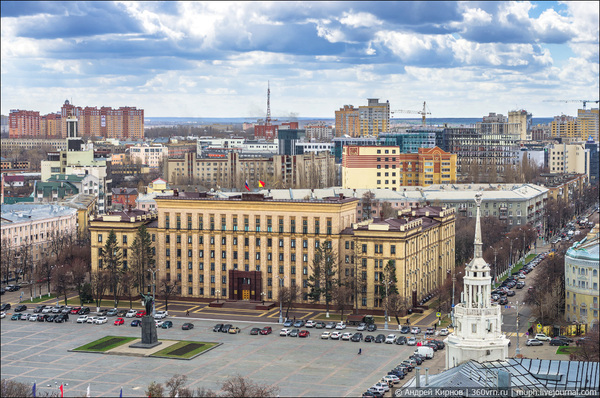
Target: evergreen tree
142 256
112 260
322 279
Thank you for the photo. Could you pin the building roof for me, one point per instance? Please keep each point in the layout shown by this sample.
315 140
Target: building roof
124 191
80 201
14 178
585 249
519 374
124 215
250 196
67 177
18 213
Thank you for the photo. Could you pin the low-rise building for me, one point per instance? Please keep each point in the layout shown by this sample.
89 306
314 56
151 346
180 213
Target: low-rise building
568 158
124 198
582 280
150 155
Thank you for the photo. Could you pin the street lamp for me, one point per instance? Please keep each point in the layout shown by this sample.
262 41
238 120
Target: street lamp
153 291
280 299
262 295
217 292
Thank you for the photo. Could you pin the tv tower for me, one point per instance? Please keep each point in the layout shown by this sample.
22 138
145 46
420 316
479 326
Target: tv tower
268 119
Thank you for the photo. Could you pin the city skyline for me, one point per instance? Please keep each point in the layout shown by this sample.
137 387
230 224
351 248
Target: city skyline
213 59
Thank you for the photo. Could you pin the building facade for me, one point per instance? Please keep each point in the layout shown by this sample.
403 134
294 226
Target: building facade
582 280
347 122
10 144
374 118
568 158
150 155
24 124
564 126
525 120
386 167
587 124
319 131
241 246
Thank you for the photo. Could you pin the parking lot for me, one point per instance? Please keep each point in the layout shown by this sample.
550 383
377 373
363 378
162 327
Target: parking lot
38 351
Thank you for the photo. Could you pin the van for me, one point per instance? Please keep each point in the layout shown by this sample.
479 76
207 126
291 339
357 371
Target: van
427 352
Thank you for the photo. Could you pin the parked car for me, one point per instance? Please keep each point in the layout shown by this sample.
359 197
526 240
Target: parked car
75 310
254 331
103 312
167 325
390 339
187 326
218 327
401 340
347 336
362 326
160 315
112 312
369 338
140 314
430 331
266 330
84 311
122 313
411 341
415 330
310 324
225 328
20 308
82 319
565 338
371 328
320 325
24 317
542 337
391 378
288 323
119 321
299 323
5 307
41 317
380 338
558 341
233 330
136 322
15 317
533 342
50 317
335 335
357 337
304 333
385 386
38 309
294 333
330 325
100 320
131 313
32 317
444 332
91 319
325 335
61 318
340 326
405 329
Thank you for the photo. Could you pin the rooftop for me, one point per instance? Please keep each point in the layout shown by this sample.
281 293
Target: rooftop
20 213
252 196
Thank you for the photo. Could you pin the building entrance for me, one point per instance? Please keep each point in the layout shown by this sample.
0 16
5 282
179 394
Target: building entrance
245 285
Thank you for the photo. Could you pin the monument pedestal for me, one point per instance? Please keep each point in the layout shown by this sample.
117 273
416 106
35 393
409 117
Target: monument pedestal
149 336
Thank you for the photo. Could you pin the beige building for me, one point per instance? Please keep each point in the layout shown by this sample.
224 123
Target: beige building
374 117
151 155
11 144
347 122
241 246
587 124
524 120
569 158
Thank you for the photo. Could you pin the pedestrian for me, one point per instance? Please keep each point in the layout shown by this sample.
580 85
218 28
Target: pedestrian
187 313
435 326
294 319
359 351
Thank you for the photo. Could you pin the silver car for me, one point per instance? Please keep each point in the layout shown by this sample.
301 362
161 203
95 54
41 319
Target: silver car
361 327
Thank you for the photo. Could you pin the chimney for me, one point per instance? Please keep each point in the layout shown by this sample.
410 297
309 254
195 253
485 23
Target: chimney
418 376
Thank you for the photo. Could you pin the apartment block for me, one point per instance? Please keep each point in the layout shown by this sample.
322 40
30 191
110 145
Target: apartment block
386 167
318 131
568 158
525 120
150 155
23 124
347 122
374 117
564 126
587 124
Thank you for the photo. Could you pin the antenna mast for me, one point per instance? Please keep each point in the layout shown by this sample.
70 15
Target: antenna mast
268 119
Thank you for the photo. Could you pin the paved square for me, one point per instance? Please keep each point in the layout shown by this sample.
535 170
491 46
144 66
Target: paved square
299 367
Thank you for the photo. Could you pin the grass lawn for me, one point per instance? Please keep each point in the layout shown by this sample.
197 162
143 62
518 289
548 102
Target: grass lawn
565 350
105 343
38 299
184 349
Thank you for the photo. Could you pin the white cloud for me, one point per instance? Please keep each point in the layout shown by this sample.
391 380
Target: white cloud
360 20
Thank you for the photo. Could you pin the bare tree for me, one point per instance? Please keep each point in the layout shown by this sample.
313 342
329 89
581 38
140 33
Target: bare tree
398 306
238 386
387 211
288 296
589 348
128 282
167 287
342 294
61 279
367 202
79 272
7 258
100 282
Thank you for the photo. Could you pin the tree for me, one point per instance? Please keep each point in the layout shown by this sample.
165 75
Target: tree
288 296
398 305
142 256
167 287
342 294
238 386
387 211
7 258
128 281
100 281
112 261
61 279
589 348
79 273
367 201
322 278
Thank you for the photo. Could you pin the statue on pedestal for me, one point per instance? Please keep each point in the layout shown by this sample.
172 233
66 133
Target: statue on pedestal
148 301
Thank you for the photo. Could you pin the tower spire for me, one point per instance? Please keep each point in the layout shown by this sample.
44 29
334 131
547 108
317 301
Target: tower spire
478 252
268 119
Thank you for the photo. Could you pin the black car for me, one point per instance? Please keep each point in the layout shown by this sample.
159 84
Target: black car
60 318
432 345
371 328
218 327
510 293
440 344
12 288
84 311
5 307
38 309
565 338
225 328
405 329
51 317
369 338
417 358
558 341
380 338
136 322
397 373
401 340
503 301
20 308
255 331
357 337
187 326
41 318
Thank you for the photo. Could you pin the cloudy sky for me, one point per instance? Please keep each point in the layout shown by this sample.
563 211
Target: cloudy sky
213 59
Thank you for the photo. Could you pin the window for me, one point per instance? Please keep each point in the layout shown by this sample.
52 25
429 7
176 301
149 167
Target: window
392 249
124 239
168 252
364 248
99 237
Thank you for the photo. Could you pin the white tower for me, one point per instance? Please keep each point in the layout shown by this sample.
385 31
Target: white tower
477 331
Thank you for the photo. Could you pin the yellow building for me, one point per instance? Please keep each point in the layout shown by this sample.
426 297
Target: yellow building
245 245
87 208
374 117
564 126
581 281
347 122
373 167
587 124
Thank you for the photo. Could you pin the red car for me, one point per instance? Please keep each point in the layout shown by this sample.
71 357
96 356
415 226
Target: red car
140 314
304 333
266 330
119 321
75 310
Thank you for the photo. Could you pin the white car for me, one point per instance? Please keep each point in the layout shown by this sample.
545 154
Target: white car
380 390
340 326
415 330
542 337
393 378
391 339
161 314
361 327
411 341
131 314
47 310
82 319
444 332
347 336
310 324
383 385
92 319
325 335
330 325
100 320
2 315
336 335
285 332
158 323
32 317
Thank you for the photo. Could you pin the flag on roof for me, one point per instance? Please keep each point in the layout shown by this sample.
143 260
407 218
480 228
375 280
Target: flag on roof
247 186
261 184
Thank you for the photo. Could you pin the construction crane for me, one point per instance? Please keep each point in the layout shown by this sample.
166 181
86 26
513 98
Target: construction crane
584 101
422 113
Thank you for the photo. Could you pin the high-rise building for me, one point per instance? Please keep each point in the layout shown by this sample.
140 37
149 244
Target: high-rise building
525 120
347 122
587 124
374 117
23 124
564 126
568 158
318 131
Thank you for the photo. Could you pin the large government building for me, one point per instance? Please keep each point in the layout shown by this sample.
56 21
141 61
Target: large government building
241 246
